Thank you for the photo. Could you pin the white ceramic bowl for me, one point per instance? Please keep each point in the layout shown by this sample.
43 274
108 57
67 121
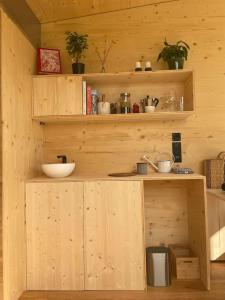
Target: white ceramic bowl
58 170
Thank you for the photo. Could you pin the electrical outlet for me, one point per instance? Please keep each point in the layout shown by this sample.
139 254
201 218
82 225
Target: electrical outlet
176 147
176 137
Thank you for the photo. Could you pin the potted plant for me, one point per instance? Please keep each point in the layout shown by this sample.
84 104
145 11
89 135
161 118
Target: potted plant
174 55
76 44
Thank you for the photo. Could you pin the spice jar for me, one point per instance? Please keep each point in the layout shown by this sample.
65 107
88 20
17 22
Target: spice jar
125 106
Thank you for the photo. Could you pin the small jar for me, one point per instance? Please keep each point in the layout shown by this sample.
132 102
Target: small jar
94 102
125 106
103 106
148 66
138 67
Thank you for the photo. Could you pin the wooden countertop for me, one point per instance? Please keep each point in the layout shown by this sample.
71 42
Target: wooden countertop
153 176
217 192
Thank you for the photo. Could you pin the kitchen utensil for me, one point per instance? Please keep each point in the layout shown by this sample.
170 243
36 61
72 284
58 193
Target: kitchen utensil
122 174
163 166
142 168
142 105
155 102
149 109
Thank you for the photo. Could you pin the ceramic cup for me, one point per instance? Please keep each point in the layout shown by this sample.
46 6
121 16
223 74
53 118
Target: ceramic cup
103 108
149 108
142 168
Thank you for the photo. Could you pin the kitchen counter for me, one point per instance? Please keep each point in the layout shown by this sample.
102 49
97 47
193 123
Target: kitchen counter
153 176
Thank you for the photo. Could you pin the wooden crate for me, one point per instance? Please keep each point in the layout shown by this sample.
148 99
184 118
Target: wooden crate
184 264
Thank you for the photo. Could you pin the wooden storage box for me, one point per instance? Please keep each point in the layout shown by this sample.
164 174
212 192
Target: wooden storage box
184 264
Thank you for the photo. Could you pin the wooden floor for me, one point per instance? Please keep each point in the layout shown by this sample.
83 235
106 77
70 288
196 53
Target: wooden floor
178 291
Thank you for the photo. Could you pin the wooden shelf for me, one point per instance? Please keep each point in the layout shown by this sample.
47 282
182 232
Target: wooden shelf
162 76
159 76
141 117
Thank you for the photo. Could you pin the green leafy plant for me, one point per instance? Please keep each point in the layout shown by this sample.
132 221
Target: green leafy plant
178 52
76 44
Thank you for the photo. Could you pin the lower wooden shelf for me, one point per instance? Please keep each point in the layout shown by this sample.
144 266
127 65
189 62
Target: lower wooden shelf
178 290
139 117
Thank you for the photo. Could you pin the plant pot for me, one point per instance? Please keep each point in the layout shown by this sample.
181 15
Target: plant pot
78 68
176 63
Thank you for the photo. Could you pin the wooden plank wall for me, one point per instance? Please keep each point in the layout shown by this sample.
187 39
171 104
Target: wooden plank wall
140 32
166 211
51 10
21 150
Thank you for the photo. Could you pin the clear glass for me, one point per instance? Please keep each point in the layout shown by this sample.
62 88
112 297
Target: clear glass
172 103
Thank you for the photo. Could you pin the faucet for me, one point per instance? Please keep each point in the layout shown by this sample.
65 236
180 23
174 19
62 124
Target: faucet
63 157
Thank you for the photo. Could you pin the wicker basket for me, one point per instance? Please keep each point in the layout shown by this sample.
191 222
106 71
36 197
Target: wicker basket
214 171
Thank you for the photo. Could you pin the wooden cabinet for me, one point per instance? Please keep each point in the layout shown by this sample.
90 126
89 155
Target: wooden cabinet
109 215
216 220
57 95
54 222
113 235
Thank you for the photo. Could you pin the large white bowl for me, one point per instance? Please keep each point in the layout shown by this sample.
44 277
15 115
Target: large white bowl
58 170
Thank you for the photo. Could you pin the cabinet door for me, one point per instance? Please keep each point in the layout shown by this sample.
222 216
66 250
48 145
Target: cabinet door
113 235
57 95
54 222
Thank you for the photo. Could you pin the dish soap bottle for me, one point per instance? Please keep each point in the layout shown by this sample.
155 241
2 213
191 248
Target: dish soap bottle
125 105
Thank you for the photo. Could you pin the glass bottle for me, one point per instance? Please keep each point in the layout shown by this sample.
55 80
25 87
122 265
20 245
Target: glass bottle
94 102
125 106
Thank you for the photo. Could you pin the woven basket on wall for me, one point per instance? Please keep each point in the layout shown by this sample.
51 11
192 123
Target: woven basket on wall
214 171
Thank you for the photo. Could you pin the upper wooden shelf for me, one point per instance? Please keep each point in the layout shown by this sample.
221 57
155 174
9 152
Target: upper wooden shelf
58 98
139 77
141 117
124 77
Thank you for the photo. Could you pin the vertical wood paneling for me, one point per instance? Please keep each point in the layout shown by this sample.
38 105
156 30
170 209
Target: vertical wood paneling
22 150
113 234
54 226
166 215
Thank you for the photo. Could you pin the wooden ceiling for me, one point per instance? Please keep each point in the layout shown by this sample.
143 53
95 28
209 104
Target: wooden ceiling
56 10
